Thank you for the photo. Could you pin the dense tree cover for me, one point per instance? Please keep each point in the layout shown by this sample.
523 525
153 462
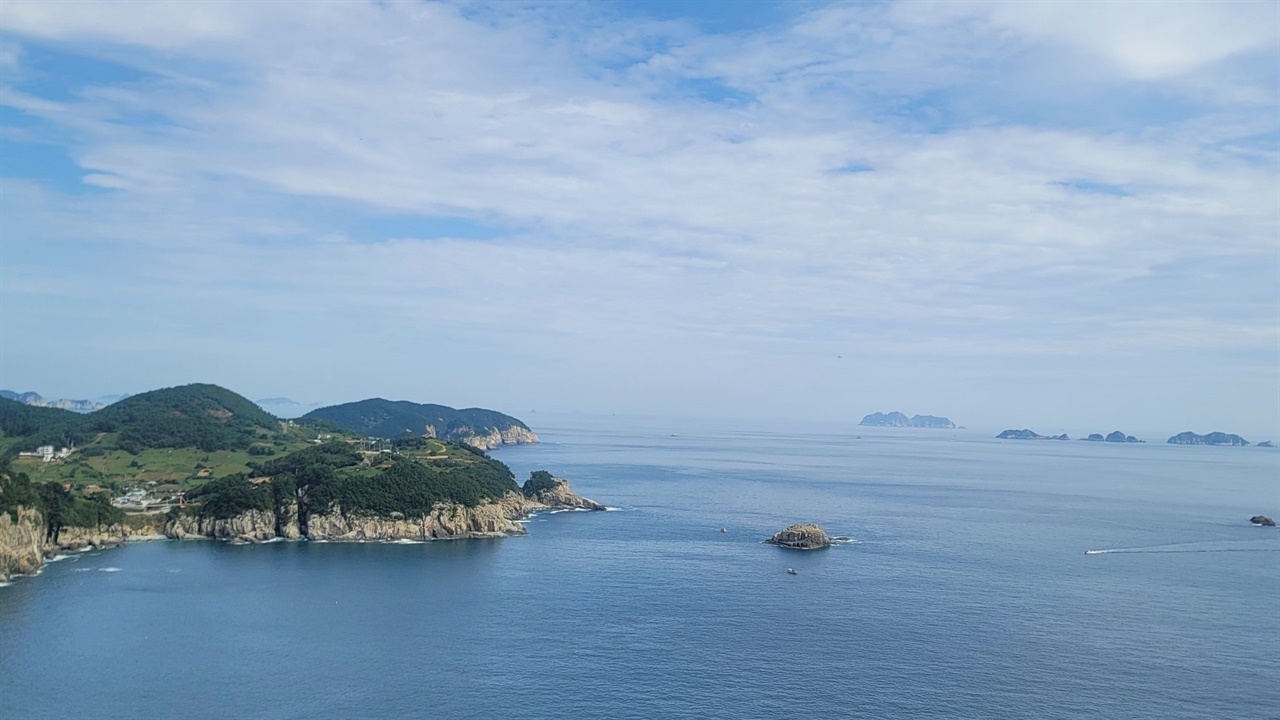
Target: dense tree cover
538 481
413 489
232 495
58 505
202 416
207 417
36 426
334 475
377 417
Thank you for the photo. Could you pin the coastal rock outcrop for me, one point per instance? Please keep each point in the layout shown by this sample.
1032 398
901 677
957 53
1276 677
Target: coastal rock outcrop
495 437
104 536
806 536
560 497
446 522
251 526
1213 438
21 543
1262 520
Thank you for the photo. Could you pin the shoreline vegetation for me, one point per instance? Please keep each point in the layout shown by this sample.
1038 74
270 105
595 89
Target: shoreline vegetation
28 540
200 461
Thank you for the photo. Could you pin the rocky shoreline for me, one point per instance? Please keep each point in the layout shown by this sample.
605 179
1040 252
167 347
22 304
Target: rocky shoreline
24 547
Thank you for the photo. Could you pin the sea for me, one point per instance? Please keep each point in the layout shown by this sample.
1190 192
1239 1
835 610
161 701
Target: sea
964 592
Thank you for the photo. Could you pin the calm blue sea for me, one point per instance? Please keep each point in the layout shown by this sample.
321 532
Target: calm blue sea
966 595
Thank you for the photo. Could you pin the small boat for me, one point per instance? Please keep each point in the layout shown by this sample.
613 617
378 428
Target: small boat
724 530
791 571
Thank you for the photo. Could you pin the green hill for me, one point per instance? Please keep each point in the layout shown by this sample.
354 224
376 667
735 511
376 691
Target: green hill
206 417
381 418
177 436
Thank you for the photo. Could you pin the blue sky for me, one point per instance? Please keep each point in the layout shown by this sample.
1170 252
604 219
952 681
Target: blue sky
1054 215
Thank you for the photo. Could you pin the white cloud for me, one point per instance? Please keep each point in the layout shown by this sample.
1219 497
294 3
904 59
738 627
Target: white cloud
640 216
1147 40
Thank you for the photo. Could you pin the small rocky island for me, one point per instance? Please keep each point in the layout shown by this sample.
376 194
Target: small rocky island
805 536
897 419
1114 437
1029 435
1213 438
1262 521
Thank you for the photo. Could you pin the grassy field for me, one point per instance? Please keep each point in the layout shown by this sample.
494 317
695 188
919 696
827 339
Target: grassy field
101 463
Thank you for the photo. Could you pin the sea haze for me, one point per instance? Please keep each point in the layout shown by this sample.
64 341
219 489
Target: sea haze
966 594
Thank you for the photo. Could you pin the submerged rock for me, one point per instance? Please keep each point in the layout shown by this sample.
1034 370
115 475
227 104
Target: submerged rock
801 537
1262 520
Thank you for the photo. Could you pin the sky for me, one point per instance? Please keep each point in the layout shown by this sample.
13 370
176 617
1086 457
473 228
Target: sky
1036 214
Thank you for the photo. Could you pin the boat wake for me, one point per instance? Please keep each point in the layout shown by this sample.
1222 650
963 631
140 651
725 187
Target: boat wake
1210 546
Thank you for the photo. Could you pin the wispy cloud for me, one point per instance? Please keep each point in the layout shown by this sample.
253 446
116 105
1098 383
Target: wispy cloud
610 204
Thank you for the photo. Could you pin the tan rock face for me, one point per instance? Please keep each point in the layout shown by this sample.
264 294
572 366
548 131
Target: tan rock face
79 538
23 550
21 543
446 522
513 435
252 526
561 497
801 537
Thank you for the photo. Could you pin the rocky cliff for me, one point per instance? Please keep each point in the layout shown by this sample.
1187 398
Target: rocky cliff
446 522
21 543
23 547
512 435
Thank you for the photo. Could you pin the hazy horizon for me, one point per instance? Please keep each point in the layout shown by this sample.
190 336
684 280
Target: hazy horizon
1039 215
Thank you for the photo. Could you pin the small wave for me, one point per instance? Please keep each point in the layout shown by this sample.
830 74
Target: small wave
83 570
612 509
109 569
5 584
59 558
406 541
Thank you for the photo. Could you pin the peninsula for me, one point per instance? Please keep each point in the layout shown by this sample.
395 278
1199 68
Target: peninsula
200 461
388 419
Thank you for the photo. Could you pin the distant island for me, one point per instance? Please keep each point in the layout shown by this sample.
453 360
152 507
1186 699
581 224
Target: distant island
897 419
1213 438
376 417
35 400
1114 437
1029 435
